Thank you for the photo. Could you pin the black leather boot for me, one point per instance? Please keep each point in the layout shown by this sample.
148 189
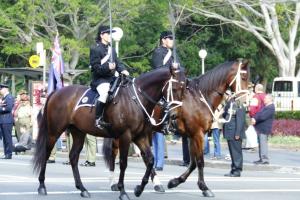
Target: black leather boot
100 123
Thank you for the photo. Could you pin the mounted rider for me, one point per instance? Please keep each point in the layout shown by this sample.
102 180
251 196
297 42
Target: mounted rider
164 57
103 70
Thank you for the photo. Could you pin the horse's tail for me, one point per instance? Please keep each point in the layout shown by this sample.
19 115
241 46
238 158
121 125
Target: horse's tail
40 153
107 151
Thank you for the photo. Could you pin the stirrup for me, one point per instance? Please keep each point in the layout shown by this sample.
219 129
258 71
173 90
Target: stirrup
99 123
166 130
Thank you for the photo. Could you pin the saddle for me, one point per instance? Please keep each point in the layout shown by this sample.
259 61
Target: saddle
89 97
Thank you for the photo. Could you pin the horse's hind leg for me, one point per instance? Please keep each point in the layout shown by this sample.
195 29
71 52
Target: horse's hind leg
78 141
143 144
49 146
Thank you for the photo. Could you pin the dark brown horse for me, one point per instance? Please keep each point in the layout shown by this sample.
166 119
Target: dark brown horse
194 118
124 113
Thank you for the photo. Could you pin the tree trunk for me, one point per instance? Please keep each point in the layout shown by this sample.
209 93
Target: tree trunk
74 59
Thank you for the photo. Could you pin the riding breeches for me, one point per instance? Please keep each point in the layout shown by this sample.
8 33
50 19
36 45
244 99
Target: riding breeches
102 90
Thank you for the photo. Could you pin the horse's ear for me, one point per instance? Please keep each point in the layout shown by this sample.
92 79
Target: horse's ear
245 63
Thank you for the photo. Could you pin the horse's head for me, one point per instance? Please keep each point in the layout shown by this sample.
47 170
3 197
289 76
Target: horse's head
238 77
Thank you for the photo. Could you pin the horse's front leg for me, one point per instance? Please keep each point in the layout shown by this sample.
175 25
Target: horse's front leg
144 146
124 147
78 141
182 178
200 164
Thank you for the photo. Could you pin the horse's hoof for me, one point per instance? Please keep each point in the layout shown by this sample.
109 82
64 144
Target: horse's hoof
208 193
124 196
42 191
85 194
114 187
173 183
138 190
159 188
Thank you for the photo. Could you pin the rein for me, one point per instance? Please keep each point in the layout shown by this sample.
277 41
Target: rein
169 96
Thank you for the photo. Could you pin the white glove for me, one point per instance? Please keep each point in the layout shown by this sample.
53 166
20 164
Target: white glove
175 65
125 72
112 66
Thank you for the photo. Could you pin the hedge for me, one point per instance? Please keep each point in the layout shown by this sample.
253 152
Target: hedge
287 115
286 127
286 123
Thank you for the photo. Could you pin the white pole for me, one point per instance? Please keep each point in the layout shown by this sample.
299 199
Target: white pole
202 54
202 59
117 48
44 69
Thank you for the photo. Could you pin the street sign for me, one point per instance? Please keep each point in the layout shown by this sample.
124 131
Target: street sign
34 61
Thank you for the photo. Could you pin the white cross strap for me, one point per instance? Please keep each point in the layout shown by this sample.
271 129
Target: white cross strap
167 57
105 58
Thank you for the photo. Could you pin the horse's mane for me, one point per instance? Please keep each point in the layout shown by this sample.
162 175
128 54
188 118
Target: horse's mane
212 79
153 72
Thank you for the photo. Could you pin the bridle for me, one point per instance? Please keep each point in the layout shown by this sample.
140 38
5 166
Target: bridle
238 86
172 104
238 90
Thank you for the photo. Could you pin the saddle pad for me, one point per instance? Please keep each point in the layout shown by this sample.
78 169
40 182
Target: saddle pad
87 99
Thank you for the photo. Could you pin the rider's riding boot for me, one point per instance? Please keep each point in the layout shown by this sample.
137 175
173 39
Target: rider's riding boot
165 127
166 123
100 123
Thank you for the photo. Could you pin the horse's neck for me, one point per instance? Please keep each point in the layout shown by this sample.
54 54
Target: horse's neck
152 84
148 94
217 97
213 97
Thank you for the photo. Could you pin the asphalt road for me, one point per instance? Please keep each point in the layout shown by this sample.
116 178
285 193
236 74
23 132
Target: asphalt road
18 182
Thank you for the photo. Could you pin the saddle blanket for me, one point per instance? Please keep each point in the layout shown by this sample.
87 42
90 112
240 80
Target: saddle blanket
87 99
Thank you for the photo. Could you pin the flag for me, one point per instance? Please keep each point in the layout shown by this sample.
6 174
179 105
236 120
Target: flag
55 80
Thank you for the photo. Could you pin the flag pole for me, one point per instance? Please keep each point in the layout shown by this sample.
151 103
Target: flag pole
110 32
172 21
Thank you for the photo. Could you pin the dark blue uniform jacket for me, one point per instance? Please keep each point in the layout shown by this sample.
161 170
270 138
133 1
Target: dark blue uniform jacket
102 73
236 126
264 119
6 107
158 57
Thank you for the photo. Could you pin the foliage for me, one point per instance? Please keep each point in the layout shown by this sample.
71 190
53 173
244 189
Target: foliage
288 115
24 23
223 42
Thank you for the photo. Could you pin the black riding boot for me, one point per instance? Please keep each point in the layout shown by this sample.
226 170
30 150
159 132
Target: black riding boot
166 123
100 123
